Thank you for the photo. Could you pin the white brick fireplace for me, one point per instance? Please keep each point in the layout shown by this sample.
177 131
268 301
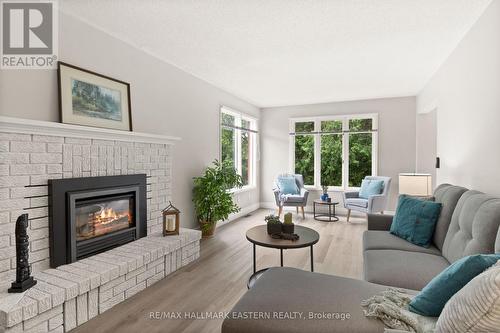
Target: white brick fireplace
31 153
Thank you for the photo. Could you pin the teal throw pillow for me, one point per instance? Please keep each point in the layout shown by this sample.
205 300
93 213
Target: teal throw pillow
431 300
415 220
288 185
370 187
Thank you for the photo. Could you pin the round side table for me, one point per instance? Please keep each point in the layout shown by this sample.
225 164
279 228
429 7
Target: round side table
258 236
322 214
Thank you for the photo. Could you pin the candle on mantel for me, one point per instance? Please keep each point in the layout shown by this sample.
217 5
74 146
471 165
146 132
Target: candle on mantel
171 223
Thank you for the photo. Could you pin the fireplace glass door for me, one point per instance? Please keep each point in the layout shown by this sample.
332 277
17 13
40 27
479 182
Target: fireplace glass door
101 216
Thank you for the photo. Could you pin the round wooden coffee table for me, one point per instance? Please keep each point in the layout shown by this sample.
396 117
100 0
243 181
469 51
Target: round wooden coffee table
325 216
258 236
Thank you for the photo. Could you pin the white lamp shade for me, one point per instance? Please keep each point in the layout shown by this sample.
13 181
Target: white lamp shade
417 184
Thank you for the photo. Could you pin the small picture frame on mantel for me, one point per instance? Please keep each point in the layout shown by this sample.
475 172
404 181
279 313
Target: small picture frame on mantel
91 99
171 220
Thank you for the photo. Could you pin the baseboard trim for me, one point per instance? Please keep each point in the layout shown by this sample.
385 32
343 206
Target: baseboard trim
272 206
244 211
309 209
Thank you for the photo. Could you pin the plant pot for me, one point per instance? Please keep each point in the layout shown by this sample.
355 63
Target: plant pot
273 228
207 229
324 197
288 228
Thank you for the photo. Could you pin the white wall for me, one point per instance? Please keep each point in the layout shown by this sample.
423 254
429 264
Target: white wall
466 93
426 143
165 100
396 137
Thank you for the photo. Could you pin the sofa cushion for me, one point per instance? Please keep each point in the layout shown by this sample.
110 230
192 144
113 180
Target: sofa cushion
357 202
293 290
371 187
448 195
474 226
403 269
287 185
431 300
292 198
383 240
415 220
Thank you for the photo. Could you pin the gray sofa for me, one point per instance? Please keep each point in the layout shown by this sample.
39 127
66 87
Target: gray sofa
384 252
468 224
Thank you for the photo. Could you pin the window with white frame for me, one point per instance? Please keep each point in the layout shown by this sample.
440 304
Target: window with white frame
337 151
238 143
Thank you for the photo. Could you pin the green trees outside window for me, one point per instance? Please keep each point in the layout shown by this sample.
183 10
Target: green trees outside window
360 151
331 160
331 153
237 143
304 151
304 157
228 140
245 157
304 127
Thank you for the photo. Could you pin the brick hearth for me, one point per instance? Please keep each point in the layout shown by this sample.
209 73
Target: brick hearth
70 295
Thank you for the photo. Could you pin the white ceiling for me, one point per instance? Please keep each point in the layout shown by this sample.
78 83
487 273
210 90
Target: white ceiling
287 52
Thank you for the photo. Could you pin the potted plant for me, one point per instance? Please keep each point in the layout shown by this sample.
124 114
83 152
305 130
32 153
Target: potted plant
324 197
273 224
288 226
212 199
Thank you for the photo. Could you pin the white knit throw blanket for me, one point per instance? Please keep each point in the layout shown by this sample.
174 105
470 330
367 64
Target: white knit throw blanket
391 306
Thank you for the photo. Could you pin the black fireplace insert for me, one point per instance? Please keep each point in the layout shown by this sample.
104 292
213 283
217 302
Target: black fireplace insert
94 214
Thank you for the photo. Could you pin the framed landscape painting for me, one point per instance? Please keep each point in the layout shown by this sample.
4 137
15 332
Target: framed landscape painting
91 99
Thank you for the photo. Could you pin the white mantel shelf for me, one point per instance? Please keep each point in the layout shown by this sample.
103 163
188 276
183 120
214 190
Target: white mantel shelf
37 127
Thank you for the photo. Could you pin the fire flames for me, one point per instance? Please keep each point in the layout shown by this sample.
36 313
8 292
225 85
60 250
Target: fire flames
103 220
106 215
109 215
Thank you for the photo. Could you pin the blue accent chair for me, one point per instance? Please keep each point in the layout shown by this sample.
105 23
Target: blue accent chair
291 200
374 204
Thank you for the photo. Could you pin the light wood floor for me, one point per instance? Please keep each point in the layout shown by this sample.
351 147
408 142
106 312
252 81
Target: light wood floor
218 279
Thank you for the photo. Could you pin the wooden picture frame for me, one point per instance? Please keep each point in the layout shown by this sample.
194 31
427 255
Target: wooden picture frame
91 99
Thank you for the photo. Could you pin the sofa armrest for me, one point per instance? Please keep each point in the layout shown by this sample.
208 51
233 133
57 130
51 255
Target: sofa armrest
277 196
349 195
377 203
379 222
304 194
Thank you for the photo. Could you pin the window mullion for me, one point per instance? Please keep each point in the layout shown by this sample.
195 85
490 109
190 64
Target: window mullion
375 146
238 147
317 153
345 154
252 159
374 153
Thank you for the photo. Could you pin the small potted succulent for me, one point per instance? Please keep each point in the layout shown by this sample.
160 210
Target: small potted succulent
273 224
288 226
